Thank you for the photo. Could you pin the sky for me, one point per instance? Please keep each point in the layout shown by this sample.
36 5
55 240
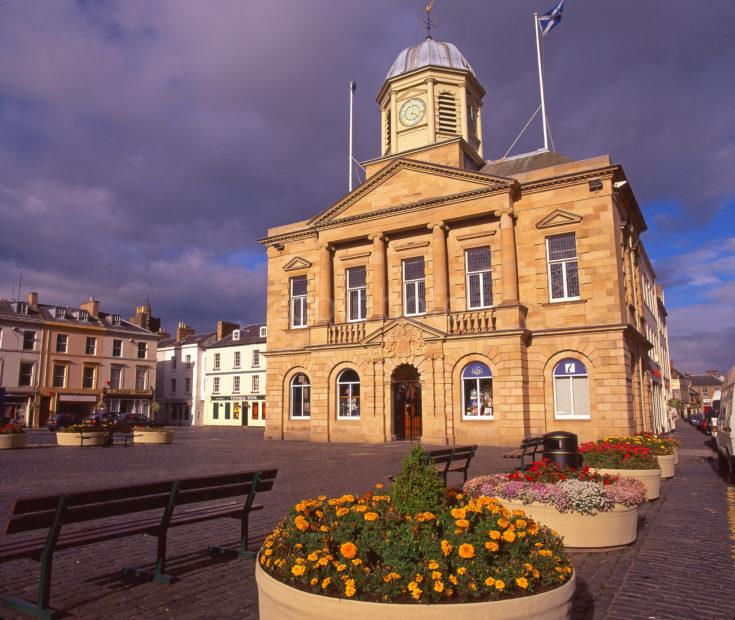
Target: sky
145 146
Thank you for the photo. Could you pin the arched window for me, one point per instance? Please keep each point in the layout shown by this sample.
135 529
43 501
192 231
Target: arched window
477 392
447 106
300 397
348 395
571 390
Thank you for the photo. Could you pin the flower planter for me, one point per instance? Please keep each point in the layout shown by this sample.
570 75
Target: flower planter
650 477
666 462
155 437
277 601
75 439
605 530
12 440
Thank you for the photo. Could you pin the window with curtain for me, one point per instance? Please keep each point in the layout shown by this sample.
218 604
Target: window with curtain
571 390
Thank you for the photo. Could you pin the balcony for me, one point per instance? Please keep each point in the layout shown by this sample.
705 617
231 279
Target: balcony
471 322
345 333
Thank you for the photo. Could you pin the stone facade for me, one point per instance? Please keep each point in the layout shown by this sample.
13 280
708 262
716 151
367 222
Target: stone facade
436 199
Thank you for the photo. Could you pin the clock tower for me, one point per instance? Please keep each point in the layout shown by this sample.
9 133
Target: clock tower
431 97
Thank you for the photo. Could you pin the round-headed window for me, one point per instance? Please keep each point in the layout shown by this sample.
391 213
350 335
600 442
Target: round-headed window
571 390
348 395
477 392
300 397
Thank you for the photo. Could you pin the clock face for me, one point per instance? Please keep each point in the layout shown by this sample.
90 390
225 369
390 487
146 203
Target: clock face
412 112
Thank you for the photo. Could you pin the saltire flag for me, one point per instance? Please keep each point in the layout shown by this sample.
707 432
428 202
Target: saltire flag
549 20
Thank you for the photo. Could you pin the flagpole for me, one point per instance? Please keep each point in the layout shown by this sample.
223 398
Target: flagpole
541 80
352 85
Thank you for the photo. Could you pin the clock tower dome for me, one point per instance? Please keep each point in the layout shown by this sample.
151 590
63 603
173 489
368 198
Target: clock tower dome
431 97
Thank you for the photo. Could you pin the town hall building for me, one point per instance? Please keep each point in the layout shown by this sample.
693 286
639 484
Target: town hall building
457 300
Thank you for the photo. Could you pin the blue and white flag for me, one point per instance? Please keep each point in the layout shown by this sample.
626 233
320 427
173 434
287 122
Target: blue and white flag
549 20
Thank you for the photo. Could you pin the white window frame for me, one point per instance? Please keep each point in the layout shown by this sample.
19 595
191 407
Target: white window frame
570 378
144 346
361 296
94 345
299 386
94 377
415 284
236 384
297 299
20 372
121 347
217 361
256 358
145 377
255 384
33 343
263 331
121 381
215 385
59 340
340 382
463 379
236 359
53 375
563 262
187 385
468 273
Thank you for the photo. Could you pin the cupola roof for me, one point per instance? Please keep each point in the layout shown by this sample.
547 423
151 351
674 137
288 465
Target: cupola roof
429 53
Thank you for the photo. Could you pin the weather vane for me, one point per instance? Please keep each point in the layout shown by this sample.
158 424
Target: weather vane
428 23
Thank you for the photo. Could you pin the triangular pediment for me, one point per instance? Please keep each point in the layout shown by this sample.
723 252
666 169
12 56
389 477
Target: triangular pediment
406 184
558 218
397 324
296 263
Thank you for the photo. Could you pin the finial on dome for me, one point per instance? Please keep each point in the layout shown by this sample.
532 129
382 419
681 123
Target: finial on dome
428 23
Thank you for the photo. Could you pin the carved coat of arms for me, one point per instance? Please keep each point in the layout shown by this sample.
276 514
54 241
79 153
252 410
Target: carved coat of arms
404 340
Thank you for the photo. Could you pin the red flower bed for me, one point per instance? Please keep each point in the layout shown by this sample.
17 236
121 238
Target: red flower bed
617 455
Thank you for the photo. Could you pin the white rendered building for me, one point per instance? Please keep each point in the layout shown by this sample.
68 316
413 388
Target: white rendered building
234 382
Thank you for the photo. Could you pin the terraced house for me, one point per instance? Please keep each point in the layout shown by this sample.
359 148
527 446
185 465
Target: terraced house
61 359
456 299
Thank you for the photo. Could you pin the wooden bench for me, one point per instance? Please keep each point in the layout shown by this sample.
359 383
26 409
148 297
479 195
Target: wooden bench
529 447
160 503
452 460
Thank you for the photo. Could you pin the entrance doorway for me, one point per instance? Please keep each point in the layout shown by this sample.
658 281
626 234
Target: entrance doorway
406 388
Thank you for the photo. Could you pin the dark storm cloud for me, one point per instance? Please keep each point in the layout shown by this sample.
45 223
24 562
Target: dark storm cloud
145 146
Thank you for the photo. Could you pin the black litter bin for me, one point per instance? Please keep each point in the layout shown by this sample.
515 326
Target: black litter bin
562 448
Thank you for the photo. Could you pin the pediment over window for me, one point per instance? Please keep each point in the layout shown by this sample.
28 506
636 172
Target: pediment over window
558 218
296 263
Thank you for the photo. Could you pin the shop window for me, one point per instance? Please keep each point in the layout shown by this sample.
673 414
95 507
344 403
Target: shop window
477 392
348 395
256 415
300 397
571 390
215 411
227 411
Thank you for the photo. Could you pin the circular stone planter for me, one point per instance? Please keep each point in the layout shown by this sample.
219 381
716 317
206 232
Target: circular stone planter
650 477
277 601
75 439
605 530
666 462
156 437
9 441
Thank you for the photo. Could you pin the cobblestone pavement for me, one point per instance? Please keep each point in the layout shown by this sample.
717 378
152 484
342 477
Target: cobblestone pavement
680 567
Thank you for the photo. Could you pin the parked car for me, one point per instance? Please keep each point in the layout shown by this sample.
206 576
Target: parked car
62 420
696 418
134 419
725 438
101 418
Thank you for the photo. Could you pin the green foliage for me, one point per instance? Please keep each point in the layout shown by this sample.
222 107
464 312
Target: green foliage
418 488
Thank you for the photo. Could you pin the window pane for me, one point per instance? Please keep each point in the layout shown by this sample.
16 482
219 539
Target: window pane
487 289
563 394
421 296
580 387
562 246
356 277
410 298
298 286
354 307
557 280
413 269
474 292
478 259
363 304
572 279
296 312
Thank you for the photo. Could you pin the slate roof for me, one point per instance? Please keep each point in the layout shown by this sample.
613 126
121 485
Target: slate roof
705 380
511 166
204 340
47 313
250 334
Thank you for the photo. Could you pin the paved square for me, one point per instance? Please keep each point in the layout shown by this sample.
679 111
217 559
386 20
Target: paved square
680 567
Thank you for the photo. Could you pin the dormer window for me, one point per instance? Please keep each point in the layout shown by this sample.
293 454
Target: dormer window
263 331
83 316
447 107
116 319
236 334
60 313
21 307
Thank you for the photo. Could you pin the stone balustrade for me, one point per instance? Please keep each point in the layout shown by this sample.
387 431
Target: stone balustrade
345 333
470 322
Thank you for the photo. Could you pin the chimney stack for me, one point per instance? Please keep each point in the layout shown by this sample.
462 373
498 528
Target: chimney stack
183 330
224 329
33 301
92 306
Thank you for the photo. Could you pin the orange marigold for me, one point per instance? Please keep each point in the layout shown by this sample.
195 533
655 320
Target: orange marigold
466 551
301 523
462 523
298 569
492 546
348 550
509 536
522 582
494 534
446 547
370 516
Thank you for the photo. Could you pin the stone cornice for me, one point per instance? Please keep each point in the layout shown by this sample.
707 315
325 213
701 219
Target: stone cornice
569 179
